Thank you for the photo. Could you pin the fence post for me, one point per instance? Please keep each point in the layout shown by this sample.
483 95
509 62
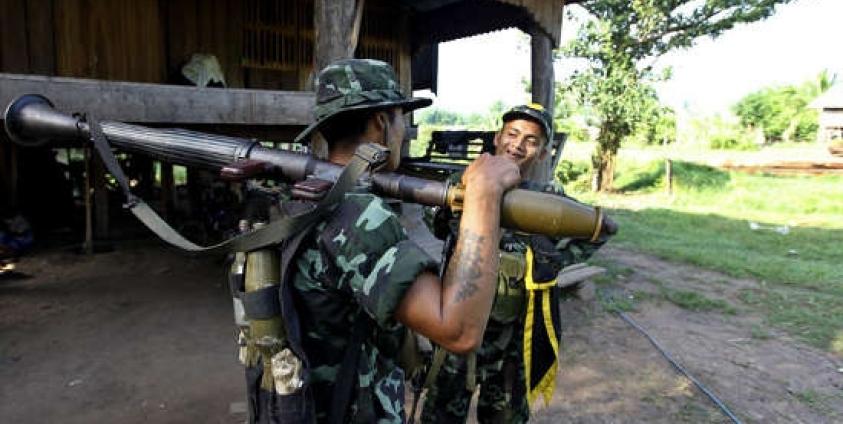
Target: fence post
668 176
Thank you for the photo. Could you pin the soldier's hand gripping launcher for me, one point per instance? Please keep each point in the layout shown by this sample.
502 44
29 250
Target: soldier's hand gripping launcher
32 120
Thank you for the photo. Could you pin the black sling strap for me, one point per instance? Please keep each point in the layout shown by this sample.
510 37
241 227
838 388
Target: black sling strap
367 156
347 374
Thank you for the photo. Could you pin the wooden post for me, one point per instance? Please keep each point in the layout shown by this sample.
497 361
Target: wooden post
89 228
668 176
337 27
405 65
167 184
336 24
100 199
9 171
4 173
542 83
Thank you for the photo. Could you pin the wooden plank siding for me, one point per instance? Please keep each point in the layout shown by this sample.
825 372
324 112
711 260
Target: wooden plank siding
207 26
110 40
14 50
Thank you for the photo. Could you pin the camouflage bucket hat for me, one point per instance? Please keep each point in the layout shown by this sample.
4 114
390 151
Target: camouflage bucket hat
533 112
357 84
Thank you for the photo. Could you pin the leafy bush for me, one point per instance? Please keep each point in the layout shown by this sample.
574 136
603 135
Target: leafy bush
732 140
719 133
567 171
657 126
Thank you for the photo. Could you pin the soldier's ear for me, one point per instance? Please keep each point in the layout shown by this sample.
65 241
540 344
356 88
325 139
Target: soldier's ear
381 120
544 150
497 140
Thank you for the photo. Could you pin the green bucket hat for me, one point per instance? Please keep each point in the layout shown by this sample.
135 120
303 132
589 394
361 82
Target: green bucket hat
533 112
357 84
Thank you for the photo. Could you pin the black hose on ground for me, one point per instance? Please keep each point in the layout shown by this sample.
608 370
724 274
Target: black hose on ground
676 364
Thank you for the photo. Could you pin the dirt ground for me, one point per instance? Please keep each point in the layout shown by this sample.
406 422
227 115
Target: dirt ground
612 374
145 334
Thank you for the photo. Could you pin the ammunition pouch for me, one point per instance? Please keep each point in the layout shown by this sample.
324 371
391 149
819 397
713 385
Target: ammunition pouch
511 295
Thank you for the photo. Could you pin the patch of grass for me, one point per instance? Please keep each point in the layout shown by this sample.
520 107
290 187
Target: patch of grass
732 247
814 317
808 397
800 272
758 332
693 412
617 300
621 304
820 402
837 343
613 270
694 301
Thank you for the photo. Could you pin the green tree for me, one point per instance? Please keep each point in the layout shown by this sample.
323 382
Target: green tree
617 43
782 113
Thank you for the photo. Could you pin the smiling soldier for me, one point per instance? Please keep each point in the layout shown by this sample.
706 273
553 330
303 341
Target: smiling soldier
517 360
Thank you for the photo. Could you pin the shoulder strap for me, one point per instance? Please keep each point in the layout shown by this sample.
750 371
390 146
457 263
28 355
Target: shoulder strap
347 374
366 157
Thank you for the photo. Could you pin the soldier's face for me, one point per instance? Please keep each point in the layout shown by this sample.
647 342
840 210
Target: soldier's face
521 141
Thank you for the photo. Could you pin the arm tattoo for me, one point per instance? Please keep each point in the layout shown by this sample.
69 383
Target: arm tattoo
466 264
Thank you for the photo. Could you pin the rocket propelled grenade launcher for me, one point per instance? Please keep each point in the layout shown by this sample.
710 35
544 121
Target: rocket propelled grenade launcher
32 120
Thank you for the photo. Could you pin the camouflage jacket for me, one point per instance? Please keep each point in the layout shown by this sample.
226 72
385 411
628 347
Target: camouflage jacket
356 265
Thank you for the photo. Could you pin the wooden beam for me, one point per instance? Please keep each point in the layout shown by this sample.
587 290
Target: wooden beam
541 51
100 199
542 84
167 190
156 103
89 227
336 25
8 171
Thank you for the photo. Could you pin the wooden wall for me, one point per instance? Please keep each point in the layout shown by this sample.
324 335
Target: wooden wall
109 40
279 41
205 26
126 40
149 40
26 31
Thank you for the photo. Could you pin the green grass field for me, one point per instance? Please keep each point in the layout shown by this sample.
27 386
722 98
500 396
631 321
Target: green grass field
786 232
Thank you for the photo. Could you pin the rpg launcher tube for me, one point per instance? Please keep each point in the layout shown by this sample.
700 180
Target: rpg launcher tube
32 120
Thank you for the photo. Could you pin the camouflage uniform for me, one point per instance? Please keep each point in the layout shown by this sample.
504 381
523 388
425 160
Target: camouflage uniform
357 266
353 268
499 360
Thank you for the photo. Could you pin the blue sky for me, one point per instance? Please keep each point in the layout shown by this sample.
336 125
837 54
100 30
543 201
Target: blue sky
800 40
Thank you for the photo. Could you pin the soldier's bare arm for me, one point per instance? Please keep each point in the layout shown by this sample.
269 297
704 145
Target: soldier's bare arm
453 313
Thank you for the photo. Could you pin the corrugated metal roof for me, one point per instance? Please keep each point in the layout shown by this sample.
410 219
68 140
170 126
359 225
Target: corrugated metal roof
831 99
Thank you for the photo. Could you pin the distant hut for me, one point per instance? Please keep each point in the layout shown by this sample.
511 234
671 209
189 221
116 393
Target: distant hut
830 106
122 61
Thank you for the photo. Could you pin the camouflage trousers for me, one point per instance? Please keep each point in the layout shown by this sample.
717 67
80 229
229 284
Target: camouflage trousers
500 374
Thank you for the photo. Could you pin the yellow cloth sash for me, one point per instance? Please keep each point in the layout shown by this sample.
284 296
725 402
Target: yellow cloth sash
539 297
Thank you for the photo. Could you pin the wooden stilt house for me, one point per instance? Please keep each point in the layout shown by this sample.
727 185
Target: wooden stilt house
121 60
